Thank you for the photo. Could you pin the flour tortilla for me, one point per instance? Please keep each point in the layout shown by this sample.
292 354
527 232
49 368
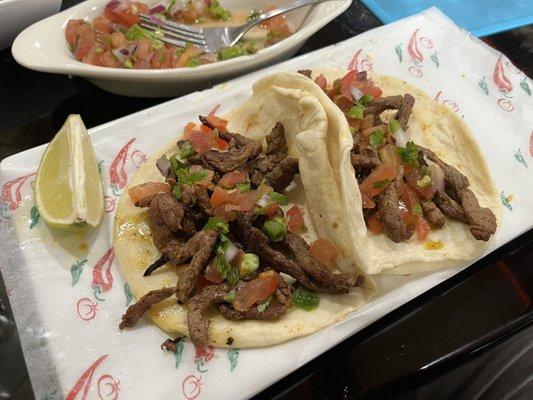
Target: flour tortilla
431 125
308 125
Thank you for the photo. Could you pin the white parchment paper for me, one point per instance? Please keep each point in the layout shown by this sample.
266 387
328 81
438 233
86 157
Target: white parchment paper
67 293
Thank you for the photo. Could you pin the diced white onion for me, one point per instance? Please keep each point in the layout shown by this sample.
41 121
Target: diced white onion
401 138
356 93
119 54
437 176
231 252
263 201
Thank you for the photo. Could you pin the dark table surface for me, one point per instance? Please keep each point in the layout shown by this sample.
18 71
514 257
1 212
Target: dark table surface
469 337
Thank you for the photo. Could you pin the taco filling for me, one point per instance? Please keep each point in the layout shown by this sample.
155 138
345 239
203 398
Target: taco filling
222 219
406 189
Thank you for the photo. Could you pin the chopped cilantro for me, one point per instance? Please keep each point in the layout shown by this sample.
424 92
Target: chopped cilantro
196 176
377 138
356 111
408 154
225 269
305 299
261 307
417 209
243 187
278 198
424 181
217 224
219 12
231 52
176 191
137 33
366 99
381 184
186 149
394 125
230 297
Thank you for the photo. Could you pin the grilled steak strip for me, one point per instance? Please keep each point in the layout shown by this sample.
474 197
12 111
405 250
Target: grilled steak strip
404 112
328 281
256 242
197 195
203 248
482 220
276 142
273 311
432 213
197 305
156 264
305 72
233 159
138 309
364 158
283 174
394 225
377 106
449 207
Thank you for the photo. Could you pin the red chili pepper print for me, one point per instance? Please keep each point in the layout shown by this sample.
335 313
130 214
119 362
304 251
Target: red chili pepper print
502 82
102 276
118 178
204 352
138 158
214 110
191 387
86 309
426 42
108 388
531 144
512 68
415 71
12 191
81 388
412 48
354 61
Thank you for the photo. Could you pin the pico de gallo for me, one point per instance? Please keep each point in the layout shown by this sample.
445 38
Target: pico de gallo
405 188
116 39
222 210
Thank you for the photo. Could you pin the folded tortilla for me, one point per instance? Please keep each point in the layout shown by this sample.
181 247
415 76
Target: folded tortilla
431 125
309 124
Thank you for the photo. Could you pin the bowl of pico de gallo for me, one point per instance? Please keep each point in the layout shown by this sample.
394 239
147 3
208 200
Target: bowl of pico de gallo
104 42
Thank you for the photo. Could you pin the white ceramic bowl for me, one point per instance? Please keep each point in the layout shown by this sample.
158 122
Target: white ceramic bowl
15 15
42 47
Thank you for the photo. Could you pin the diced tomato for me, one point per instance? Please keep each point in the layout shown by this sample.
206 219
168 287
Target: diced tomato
159 58
367 201
347 82
147 189
380 174
108 59
321 81
85 43
102 24
410 198
189 14
169 59
119 40
296 219
200 141
191 51
324 252
368 131
354 123
92 55
219 123
412 175
374 223
202 283
219 197
221 144
257 290
144 49
270 209
245 201
422 229
372 90
73 30
212 274
229 180
127 13
277 25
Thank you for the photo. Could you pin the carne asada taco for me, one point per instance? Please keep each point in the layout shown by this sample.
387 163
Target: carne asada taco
416 192
216 239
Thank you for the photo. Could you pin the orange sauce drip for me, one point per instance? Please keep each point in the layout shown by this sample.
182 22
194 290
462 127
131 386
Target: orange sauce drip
434 245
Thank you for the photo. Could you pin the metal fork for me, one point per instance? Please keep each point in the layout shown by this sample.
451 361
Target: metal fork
213 39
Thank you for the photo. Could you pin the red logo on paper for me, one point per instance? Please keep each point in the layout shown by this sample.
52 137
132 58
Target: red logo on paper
500 79
531 144
452 105
118 178
12 191
86 309
191 387
413 50
107 387
359 63
109 204
138 158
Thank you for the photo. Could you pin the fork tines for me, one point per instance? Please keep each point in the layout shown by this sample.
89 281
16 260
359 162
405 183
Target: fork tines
175 34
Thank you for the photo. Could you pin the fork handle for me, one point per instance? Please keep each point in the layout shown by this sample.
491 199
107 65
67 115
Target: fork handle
277 11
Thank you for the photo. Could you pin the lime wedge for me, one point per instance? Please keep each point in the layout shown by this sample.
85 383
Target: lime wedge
68 187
